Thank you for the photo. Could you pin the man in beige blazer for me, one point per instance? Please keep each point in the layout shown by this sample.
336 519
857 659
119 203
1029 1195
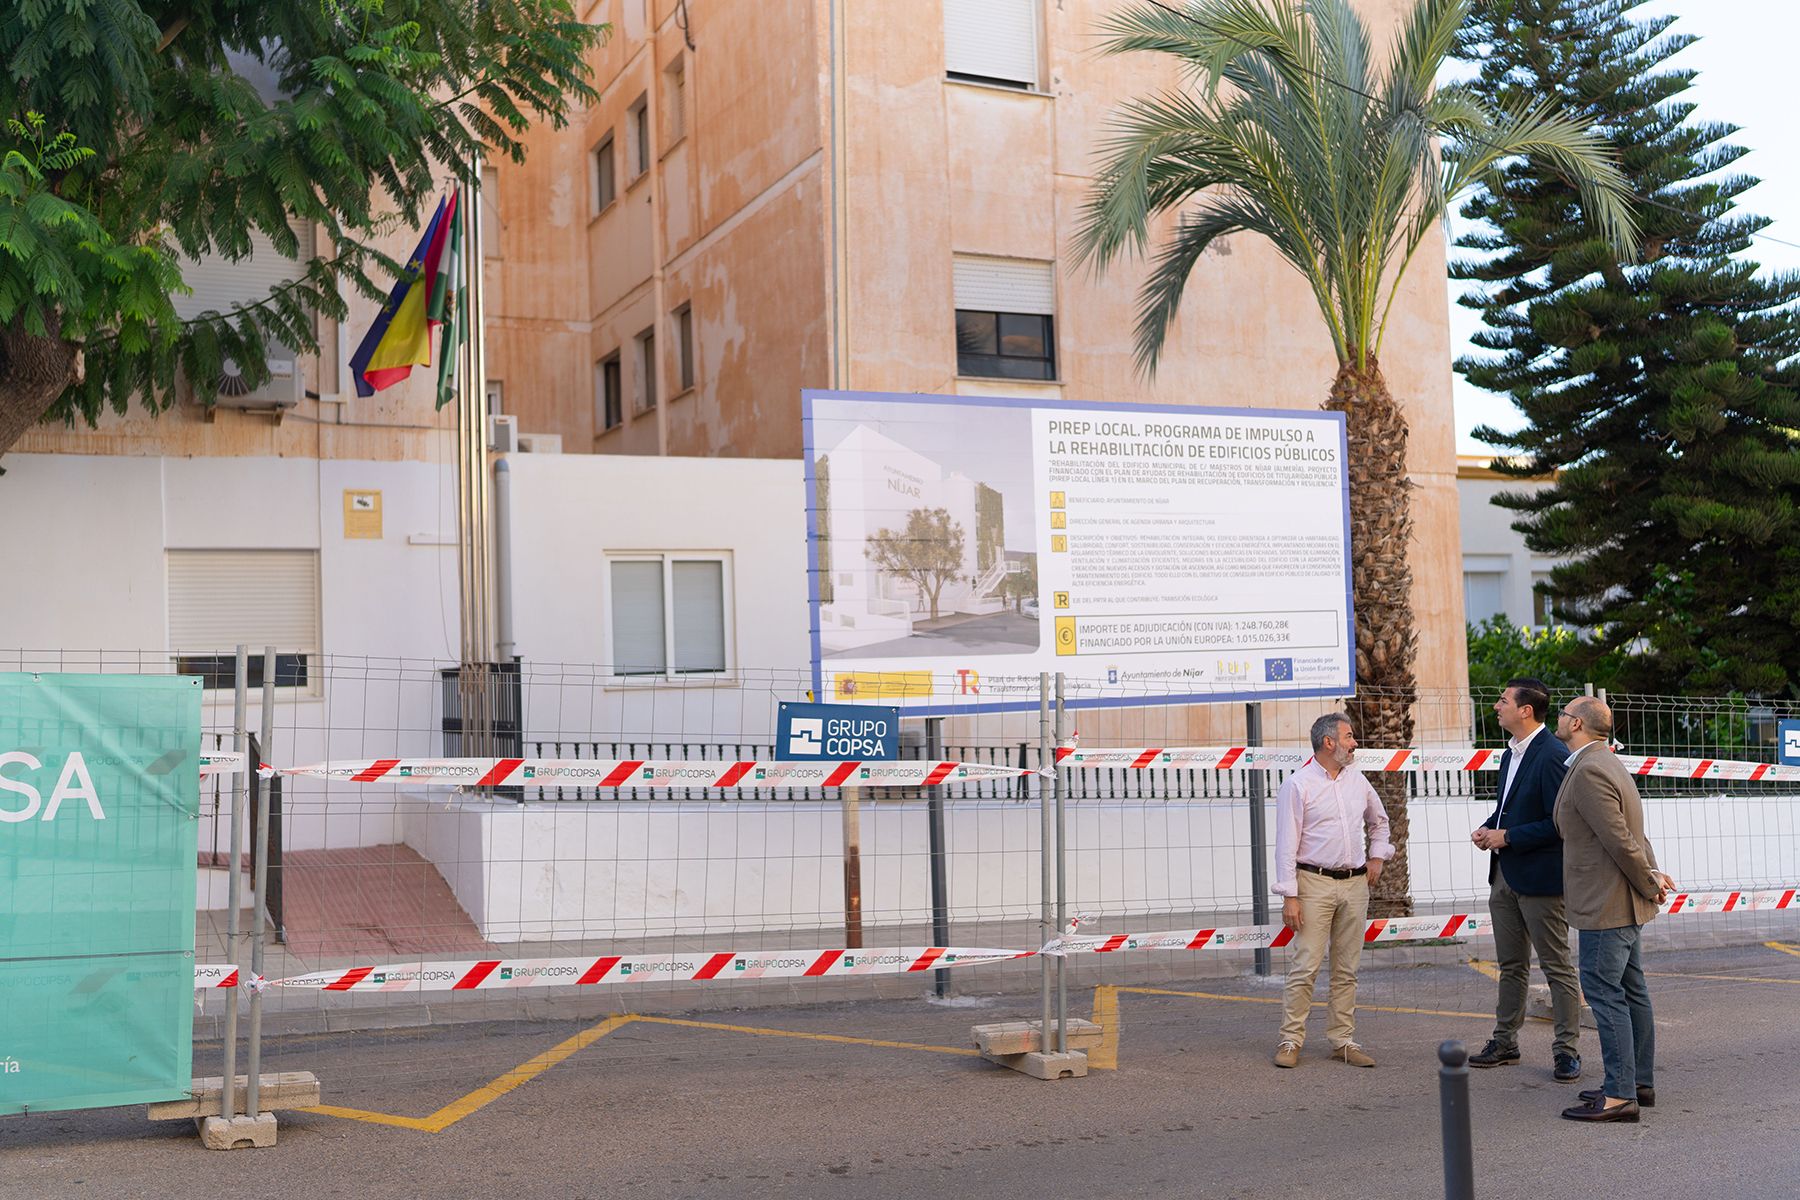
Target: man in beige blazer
1611 889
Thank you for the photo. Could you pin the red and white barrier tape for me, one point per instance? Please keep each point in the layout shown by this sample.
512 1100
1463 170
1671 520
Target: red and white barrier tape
1265 758
1391 929
655 773
701 966
644 968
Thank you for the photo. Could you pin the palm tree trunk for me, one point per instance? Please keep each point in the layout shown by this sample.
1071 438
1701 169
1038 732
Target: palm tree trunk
1381 585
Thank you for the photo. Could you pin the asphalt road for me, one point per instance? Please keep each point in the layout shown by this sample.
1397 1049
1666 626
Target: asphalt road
996 633
649 1108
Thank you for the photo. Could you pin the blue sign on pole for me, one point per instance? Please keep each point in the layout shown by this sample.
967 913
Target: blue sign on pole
1790 743
820 732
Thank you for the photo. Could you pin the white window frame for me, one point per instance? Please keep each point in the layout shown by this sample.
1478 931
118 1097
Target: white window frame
969 50
675 91
312 652
728 616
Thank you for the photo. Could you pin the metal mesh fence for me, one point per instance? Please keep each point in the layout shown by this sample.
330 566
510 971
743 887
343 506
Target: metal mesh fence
396 871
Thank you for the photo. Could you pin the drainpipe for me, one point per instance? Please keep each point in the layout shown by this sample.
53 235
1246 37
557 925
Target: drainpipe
503 644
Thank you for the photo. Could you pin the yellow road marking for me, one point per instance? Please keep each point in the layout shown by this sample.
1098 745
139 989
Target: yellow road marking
1728 978
1491 970
1418 1012
524 1073
1105 1056
485 1095
813 1037
1784 948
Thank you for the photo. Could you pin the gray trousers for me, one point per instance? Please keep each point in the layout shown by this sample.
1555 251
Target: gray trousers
1520 923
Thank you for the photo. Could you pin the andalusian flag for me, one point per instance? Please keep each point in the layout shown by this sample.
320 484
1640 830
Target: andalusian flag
445 307
400 338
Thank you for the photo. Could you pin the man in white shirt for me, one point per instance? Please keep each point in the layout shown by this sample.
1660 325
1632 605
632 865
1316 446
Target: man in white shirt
1331 841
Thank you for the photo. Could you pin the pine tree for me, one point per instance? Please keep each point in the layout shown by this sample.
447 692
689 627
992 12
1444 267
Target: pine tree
139 134
1661 391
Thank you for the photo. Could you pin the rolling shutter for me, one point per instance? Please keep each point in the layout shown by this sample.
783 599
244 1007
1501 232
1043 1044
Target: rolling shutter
1013 285
992 39
220 598
219 283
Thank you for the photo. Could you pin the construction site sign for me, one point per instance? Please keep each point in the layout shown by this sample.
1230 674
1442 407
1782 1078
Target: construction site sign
99 797
961 545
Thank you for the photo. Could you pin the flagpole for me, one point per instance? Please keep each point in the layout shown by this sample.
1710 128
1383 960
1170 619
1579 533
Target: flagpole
473 534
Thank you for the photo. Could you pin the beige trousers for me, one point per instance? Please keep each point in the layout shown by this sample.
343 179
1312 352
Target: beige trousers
1333 914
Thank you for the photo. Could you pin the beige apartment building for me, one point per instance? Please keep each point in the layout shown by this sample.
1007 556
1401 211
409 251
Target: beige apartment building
771 195
883 195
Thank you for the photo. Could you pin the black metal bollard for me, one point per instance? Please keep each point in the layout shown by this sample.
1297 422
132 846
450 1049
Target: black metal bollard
1453 1110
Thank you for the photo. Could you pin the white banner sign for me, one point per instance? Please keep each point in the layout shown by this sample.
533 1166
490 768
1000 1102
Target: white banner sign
961 545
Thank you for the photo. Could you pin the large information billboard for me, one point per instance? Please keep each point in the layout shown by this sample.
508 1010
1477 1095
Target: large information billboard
99 807
959 546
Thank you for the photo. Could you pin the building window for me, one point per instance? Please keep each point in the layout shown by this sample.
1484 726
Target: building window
1004 345
675 97
640 136
1004 323
609 393
992 41
221 599
489 211
1543 612
670 614
1484 595
646 345
684 345
605 184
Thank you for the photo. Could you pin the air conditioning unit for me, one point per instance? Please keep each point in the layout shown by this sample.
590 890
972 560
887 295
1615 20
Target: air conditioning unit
503 434
540 443
281 391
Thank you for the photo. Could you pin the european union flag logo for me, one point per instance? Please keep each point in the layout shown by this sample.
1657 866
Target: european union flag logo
1278 670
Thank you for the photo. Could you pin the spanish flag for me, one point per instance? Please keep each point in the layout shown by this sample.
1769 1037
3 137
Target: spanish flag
400 338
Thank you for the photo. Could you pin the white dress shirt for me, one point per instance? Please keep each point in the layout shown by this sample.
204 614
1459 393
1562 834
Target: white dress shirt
1517 746
1321 821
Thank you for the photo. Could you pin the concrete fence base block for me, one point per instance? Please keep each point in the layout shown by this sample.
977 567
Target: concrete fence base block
1023 1037
221 1133
279 1090
1537 1004
1038 1065
1016 1046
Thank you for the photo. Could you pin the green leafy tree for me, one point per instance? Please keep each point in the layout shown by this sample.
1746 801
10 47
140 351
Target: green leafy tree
1021 585
1331 153
928 553
177 130
1660 387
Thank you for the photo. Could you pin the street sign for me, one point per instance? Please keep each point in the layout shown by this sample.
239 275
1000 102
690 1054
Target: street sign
836 732
1790 743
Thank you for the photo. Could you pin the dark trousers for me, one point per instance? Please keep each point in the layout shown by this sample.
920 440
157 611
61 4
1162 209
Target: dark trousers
1612 979
1521 923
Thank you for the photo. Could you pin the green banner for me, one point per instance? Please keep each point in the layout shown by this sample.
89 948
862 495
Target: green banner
99 808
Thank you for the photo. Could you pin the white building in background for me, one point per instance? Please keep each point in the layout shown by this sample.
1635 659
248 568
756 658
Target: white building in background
875 484
1499 570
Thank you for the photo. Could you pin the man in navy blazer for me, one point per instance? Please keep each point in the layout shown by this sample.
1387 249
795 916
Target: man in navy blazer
1525 874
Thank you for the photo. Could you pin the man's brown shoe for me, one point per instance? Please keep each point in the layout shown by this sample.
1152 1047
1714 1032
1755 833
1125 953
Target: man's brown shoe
1353 1054
1597 1110
1287 1054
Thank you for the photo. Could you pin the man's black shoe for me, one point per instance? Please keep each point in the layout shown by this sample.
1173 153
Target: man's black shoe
1494 1055
1646 1096
1568 1068
1596 1110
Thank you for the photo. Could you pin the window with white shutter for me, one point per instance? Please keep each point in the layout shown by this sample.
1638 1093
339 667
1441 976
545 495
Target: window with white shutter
992 41
1005 318
221 599
669 614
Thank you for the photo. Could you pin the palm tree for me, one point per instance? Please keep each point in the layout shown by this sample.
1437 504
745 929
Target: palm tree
1334 157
